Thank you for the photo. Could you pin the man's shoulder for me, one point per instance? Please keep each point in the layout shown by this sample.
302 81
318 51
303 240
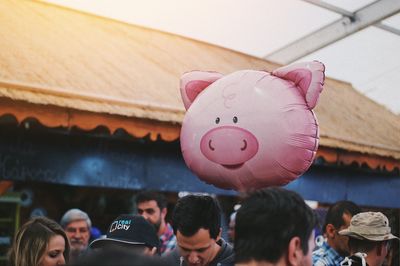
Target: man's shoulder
168 240
320 252
226 255
321 261
320 257
324 257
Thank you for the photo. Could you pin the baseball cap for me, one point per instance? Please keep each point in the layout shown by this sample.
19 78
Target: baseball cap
131 230
372 226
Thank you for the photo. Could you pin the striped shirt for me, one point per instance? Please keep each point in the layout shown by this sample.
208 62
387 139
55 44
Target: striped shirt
326 256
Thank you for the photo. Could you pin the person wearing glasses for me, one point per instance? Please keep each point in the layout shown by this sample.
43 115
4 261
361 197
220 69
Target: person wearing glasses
369 239
196 221
335 248
77 225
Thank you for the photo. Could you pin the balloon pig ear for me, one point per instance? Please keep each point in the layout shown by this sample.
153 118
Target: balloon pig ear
194 82
308 77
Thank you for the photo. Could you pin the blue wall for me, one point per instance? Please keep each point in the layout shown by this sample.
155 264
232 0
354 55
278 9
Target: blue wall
81 160
367 189
29 155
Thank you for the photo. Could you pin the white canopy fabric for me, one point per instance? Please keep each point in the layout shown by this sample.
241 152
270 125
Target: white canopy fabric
358 40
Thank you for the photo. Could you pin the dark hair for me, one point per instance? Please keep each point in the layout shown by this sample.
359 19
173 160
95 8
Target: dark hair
335 213
266 222
31 241
193 212
362 245
151 195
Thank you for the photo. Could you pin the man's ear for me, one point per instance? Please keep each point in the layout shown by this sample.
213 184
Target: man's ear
295 254
164 213
330 231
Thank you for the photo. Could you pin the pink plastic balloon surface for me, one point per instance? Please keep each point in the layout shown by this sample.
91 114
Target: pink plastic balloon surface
251 129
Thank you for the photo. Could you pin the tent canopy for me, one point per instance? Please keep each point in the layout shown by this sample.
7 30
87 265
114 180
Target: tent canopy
68 68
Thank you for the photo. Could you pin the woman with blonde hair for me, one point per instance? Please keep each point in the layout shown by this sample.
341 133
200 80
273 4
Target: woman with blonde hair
39 242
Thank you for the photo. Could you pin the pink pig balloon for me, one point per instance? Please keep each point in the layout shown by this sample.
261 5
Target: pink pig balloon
251 129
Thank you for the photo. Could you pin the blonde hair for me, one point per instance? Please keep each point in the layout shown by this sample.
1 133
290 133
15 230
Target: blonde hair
31 241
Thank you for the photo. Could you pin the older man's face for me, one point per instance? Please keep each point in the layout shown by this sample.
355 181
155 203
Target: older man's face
78 234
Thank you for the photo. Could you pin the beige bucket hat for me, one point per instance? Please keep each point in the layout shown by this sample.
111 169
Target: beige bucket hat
372 226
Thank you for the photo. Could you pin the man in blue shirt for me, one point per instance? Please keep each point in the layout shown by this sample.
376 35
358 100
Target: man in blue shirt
335 248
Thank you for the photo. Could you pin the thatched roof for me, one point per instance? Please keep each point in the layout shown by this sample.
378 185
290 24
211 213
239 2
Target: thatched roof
67 68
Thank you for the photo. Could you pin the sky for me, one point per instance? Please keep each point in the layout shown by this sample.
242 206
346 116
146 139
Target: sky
369 59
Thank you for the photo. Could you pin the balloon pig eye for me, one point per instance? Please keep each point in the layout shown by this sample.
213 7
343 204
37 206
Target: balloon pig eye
235 119
217 120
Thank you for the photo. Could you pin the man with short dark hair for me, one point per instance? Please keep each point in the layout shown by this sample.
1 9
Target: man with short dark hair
197 224
369 239
274 226
130 232
153 207
335 248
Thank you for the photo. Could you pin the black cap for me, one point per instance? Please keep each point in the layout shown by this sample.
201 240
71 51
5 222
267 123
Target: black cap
131 230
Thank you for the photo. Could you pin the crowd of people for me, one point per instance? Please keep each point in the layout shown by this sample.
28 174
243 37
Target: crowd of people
273 226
